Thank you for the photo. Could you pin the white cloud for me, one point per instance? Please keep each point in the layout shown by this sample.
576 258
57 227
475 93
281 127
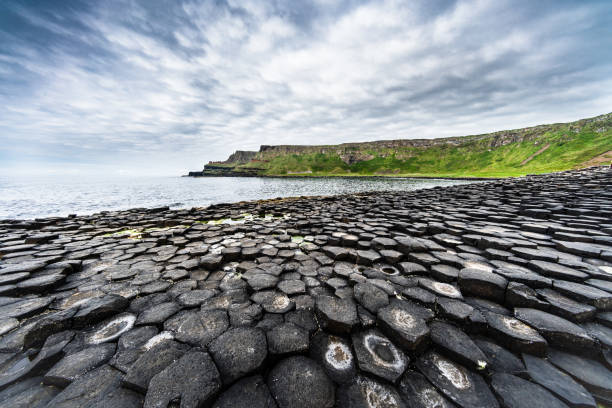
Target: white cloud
194 83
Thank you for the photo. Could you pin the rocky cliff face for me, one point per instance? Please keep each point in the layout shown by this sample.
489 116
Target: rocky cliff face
403 149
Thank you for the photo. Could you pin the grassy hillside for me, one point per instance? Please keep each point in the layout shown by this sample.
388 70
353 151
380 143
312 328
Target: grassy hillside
537 150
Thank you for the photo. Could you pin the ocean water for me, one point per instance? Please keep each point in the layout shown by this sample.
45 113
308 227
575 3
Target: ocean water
49 196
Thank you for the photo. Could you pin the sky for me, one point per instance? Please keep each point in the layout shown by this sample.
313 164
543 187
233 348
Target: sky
161 87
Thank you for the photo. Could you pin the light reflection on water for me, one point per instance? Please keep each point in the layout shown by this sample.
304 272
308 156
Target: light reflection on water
33 197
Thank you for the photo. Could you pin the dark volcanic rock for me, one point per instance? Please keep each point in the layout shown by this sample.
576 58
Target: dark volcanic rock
419 393
152 362
458 384
457 345
287 338
250 392
515 334
366 392
377 355
556 330
405 327
299 382
370 296
335 355
500 359
558 382
514 392
77 364
97 388
336 315
592 374
198 385
483 284
198 328
238 352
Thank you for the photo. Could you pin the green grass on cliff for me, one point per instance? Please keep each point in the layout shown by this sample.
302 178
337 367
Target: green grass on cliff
568 149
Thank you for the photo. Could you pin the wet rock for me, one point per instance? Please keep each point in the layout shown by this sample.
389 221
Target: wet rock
377 355
97 388
557 271
444 273
198 328
250 392
273 302
198 385
566 307
559 383
500 359
111 329
158 313
366 392
195 297
24 308
8 324
419 393
556 330
77 364
292 287
457 345
99 308
458 384
405 327
262 281
483 284
519 295
514 392
592 374
304 319
238 352
299 382
17 366
335 355
30 393
515 334
151 362
336 315
370 296
584 293
287 338
441 289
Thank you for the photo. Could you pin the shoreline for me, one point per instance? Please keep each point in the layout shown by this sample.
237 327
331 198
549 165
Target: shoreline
330 299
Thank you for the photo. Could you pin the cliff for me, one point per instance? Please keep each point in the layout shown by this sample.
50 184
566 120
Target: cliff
536 149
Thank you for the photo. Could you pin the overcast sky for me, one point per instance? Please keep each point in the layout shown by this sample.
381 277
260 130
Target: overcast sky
162 87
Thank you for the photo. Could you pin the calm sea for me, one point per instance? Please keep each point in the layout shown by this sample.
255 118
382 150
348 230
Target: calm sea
35 197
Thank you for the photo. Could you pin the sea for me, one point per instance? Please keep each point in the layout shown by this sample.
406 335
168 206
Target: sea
28 197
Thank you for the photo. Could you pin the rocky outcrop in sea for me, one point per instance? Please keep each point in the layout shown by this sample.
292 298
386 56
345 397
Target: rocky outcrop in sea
481 295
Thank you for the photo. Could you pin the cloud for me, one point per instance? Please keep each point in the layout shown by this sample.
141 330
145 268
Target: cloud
166 86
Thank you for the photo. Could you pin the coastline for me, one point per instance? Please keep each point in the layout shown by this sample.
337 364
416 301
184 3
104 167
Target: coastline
120 307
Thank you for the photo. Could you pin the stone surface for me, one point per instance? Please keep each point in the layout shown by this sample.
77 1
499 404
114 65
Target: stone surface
402 325
150 363
299 382
514 392
458 384
250 392
457 345
336 315
556 330
366 392
200 382
77 364
238 352
557 382
435 275
377 355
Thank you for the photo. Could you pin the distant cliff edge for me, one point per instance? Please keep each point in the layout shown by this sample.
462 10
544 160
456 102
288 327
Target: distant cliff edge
536 149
